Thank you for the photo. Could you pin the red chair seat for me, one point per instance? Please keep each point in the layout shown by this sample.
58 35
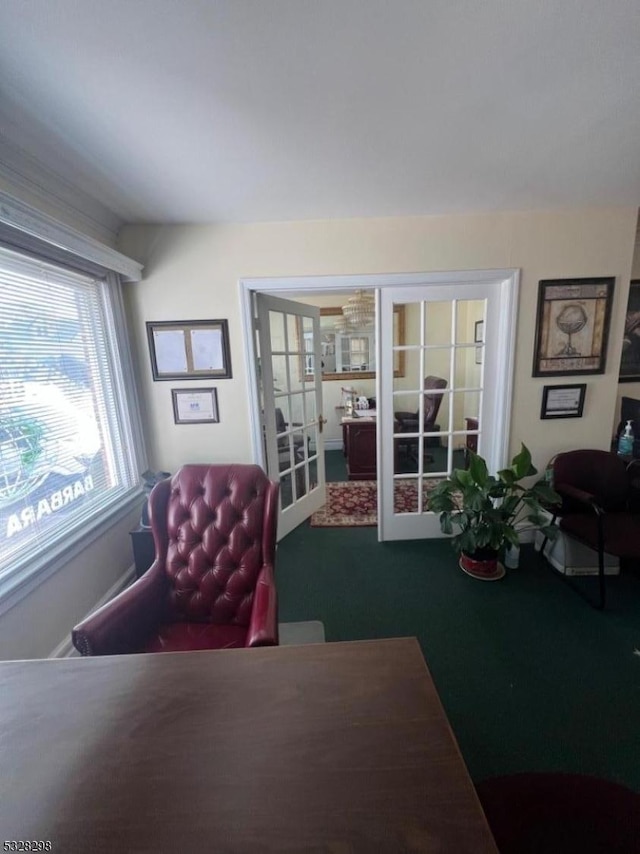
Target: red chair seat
621 532
541 813
181 637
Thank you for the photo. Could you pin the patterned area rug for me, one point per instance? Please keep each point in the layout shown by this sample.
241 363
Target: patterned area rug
354 503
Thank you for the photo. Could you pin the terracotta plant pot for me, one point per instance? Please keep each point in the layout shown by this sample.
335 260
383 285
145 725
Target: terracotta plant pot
485 567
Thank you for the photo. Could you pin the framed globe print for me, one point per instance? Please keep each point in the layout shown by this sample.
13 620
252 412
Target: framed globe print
572 326
630 360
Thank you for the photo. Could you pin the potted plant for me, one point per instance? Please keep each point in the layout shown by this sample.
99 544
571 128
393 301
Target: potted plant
484 509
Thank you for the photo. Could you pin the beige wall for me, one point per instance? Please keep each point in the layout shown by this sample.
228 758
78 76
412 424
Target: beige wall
42 620
193 272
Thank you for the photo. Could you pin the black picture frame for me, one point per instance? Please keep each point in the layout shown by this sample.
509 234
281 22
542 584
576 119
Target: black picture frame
478 338
189 349
563 401
195 405
572 326
630 359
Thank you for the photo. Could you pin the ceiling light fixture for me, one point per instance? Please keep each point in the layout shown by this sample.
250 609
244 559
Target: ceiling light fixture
341 324
360 310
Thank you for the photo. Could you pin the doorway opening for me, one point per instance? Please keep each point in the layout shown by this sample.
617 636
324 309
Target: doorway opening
428 447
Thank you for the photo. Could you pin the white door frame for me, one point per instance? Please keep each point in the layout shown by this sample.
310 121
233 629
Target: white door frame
508 278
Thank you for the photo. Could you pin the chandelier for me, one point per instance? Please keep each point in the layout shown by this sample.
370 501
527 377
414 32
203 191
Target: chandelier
358 312
341 324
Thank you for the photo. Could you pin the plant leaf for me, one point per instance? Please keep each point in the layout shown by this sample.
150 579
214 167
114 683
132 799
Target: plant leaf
521 463
478 469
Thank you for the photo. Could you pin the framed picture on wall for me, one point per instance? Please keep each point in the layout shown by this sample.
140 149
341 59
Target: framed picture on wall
572 326
630 359
478 337
331 341
563 401
189 349
195 405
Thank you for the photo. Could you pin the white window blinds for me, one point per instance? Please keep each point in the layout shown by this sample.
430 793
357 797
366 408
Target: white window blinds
66 446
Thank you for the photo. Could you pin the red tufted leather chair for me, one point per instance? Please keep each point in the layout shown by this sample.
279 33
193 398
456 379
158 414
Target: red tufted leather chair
211 585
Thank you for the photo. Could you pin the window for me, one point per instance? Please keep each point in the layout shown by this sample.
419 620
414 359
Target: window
67 445
355 352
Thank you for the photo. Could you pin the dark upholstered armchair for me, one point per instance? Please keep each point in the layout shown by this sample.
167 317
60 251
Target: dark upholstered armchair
211 585
599 505
409 422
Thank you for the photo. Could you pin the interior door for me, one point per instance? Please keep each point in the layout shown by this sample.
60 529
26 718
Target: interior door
446 401
288 337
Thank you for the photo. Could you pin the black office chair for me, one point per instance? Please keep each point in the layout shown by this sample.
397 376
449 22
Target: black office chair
409 422
283 441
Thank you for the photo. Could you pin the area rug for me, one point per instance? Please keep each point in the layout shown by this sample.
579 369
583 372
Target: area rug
353 503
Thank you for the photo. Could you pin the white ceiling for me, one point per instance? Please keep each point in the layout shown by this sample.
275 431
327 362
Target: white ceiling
243 110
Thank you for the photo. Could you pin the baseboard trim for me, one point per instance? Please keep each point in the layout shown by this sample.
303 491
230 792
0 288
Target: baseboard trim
333 445
65 648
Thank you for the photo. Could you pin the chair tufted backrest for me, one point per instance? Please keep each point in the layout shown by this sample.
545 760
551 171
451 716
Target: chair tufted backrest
433 399
601 473
214 527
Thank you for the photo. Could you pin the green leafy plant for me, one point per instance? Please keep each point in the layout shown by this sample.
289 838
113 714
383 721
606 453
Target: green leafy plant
484 508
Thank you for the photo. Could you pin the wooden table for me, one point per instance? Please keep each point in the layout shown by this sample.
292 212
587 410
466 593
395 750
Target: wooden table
339 747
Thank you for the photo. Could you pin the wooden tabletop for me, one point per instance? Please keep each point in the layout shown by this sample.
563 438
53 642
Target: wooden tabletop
339 747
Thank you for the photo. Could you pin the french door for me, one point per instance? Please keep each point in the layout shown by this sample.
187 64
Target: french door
453 396
290 389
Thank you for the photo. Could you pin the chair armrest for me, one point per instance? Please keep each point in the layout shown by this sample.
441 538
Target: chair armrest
566 490
263 626
122 625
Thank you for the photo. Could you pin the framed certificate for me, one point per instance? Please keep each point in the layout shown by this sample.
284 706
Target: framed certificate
563 401
195 405
189 349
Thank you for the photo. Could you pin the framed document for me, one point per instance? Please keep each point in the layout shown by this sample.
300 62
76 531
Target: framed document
189 349
195 406
563 401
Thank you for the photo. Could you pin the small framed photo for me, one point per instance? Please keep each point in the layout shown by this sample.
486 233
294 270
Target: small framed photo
195 405
478 337
572 326
563 401
189 349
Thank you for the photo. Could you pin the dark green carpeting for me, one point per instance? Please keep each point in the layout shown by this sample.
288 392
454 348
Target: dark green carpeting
532 678
336 466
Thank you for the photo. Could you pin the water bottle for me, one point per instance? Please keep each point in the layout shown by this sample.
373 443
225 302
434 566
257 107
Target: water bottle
512 557
625 442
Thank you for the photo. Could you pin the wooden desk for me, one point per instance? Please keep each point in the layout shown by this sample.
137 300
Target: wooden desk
359 440
325 747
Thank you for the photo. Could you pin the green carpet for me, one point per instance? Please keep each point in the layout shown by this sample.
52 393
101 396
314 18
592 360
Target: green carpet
336 464
531 677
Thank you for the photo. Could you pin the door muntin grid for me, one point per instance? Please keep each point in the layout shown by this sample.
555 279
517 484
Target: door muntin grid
444 339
